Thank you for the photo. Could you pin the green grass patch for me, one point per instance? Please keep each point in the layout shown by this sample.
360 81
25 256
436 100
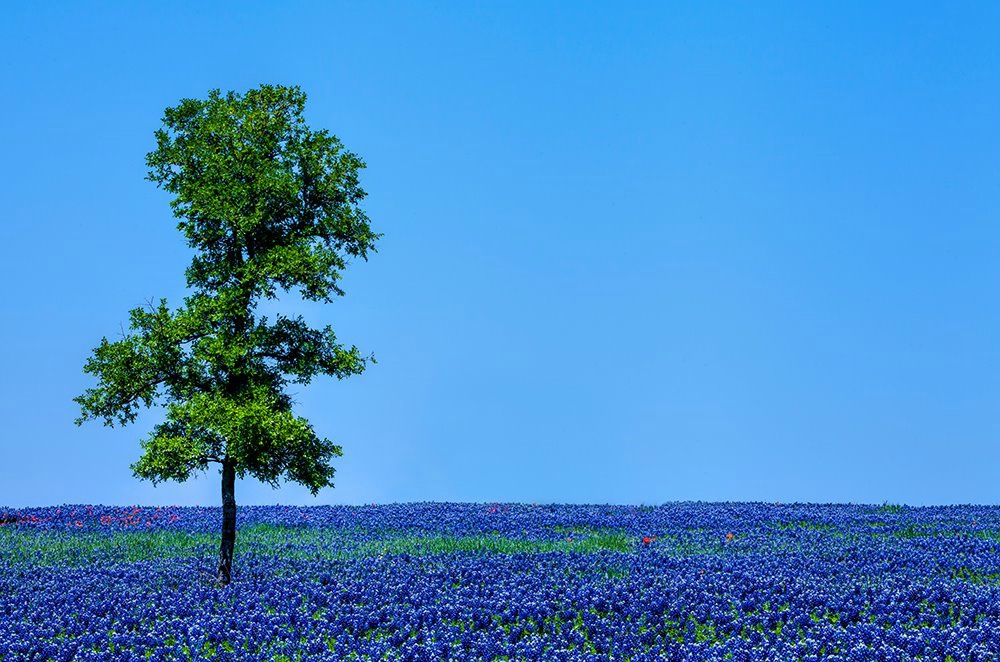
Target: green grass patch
436 544
912 531
975 576
79 548
987 535
50 548
805 525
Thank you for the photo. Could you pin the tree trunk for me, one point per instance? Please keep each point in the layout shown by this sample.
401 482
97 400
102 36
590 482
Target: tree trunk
228 524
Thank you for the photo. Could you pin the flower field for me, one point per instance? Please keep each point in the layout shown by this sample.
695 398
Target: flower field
683 581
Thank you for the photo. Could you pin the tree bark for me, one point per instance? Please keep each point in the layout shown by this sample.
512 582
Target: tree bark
236 384
228 524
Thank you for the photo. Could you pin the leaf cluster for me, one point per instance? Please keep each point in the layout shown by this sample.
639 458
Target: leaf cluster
249 177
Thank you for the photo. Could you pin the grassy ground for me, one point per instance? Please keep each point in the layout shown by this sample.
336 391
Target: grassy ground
48 548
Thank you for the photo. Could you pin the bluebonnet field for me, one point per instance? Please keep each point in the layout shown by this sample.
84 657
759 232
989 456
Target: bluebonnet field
684 581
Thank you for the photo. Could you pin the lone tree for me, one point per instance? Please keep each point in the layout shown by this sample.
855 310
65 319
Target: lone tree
265 202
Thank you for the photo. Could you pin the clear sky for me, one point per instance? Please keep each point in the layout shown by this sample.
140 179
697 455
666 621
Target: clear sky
661 252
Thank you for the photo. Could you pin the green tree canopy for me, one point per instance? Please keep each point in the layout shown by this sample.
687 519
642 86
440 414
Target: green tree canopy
266 203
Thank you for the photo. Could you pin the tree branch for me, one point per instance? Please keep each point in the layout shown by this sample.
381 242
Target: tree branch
142 387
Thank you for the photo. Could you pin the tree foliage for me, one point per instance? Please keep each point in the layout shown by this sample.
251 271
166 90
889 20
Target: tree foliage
267 204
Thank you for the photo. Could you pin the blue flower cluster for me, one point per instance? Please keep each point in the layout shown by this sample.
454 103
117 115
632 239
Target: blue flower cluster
697 581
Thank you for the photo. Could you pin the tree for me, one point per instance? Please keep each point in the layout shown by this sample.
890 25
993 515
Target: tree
265 202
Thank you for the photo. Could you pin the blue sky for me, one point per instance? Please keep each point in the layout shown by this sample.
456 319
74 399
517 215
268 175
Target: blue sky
632 255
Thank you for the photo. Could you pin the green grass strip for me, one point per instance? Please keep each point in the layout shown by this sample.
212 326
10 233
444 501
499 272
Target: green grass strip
78 548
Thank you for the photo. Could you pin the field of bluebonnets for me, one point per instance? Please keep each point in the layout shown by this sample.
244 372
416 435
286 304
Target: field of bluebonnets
683 581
